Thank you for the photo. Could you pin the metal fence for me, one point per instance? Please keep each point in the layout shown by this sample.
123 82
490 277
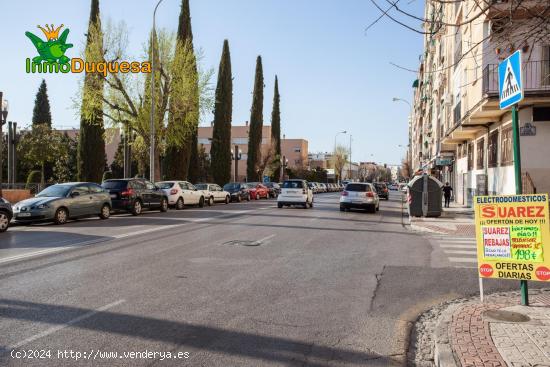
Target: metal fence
536 77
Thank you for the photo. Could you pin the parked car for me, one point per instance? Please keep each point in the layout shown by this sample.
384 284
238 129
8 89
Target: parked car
182 193
393 187
61 202
360 195
295 192
214 193
274 189
257 190
322 187
6 213
382 190
135 194
312 187
238 191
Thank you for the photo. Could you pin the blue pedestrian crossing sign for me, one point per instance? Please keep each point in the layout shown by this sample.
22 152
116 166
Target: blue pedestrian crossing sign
510 86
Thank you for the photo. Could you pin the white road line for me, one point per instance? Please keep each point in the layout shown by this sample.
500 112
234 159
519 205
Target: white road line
263 240
69 323
458 246
461 252
462 260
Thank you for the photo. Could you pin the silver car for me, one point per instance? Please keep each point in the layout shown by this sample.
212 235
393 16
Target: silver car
359 195
59 203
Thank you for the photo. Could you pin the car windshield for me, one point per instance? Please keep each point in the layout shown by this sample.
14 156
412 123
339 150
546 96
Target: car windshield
55 191
116 184
232 186
292 185
357 187
201 186
165 185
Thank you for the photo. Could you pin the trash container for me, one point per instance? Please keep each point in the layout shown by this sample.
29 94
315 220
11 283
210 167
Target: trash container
425 196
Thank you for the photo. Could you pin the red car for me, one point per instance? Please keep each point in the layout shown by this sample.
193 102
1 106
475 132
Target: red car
257 191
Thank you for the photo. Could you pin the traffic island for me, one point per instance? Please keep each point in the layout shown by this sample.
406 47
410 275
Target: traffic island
498 332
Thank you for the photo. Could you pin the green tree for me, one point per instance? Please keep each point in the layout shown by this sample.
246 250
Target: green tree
276 132
65 166
256 125
220 151
194 164
183 115
41 113
91 143
40 146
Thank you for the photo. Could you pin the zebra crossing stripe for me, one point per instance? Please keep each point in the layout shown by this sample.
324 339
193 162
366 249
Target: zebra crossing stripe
463 260
461 252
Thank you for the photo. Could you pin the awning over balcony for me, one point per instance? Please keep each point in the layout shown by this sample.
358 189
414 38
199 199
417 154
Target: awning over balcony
460 134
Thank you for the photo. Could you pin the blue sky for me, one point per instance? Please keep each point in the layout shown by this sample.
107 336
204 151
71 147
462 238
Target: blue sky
332 75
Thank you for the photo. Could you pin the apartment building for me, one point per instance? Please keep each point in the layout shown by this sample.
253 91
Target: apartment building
295 151
458 133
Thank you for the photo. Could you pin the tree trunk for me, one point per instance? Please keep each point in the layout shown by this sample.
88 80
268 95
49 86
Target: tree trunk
42 174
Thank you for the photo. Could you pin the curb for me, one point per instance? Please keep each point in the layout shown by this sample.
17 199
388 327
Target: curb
443 353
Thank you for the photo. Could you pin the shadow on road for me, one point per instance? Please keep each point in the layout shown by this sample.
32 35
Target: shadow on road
46 239
208 338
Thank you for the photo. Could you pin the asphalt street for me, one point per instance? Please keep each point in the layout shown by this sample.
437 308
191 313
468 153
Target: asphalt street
245 284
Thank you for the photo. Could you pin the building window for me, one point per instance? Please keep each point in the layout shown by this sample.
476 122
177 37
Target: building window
492 149
470 156
203 141
297 150
545 74
480 161
506 154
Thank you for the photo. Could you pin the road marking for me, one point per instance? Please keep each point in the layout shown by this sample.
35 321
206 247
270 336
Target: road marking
119 236
461 252
265 239
458 246
462 260
61 327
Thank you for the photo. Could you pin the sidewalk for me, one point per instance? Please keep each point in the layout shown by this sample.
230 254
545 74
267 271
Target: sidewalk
499 332
456 220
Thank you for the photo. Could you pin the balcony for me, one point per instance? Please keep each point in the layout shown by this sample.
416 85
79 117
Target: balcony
457 113
536 78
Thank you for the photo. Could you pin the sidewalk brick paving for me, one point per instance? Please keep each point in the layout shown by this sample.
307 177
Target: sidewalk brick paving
478 342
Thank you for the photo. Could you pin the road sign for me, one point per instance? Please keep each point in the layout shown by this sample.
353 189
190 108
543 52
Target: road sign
510 84
512 233
266 179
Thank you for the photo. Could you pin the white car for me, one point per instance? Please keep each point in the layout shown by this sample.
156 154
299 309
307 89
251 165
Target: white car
214 193
361 195
181 193
295 192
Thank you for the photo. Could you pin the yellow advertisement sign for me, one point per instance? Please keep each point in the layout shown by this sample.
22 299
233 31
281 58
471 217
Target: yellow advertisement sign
511 233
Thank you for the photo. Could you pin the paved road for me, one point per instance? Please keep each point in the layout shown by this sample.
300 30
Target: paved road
313 287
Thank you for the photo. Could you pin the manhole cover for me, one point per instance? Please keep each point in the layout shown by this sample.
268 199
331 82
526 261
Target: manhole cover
243 243
508 316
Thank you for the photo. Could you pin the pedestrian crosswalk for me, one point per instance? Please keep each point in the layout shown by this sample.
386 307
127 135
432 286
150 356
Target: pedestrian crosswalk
459 251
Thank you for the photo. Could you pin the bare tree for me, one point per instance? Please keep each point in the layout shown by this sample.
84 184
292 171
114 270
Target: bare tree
339 160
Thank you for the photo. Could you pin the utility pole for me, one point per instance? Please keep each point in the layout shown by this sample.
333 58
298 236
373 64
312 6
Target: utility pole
350 157
152 122
3 117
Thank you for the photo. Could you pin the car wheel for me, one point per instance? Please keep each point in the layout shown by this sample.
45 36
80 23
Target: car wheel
248 197
61 215
105 211
311 204
305 205
164 205
136 208
371 209
239 199
227 199
179 204
279 205
201 202
378 207
4 222
210 201
342 209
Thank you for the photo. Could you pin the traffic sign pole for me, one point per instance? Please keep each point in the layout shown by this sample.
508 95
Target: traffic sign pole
519 187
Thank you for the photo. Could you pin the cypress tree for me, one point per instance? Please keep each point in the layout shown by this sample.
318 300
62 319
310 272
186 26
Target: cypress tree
256 124
193 174
91 145
220 151
178 156
41 113
276 129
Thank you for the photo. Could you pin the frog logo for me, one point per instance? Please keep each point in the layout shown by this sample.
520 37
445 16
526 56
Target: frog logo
51 51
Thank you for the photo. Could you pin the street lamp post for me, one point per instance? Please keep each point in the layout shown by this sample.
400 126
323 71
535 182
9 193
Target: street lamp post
3 117
152 123
350 156
409 153
334 154
237 154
